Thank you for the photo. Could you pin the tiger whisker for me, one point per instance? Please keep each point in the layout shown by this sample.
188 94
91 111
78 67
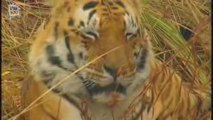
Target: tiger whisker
89 83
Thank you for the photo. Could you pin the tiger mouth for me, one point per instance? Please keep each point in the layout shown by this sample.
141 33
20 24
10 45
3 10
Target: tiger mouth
95 88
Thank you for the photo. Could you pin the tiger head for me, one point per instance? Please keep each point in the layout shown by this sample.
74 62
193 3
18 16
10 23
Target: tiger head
82 30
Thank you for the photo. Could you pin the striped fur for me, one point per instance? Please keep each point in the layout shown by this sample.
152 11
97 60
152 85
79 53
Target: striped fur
78 32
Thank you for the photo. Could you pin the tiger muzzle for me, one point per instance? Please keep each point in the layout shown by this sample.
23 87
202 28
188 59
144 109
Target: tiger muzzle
121 71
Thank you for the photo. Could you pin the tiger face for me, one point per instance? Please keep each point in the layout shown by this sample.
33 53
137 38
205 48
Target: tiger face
84 30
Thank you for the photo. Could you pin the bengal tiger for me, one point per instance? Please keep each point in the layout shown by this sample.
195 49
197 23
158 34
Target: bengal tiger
111 87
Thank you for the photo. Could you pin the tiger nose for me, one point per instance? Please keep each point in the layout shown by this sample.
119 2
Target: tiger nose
115 72
112 71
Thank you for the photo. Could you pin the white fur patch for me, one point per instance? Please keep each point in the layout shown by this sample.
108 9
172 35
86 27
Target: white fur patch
40 64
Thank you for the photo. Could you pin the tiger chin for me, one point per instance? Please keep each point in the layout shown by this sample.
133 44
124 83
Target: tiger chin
78 32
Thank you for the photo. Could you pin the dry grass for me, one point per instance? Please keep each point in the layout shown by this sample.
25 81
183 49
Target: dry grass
162 18
17 35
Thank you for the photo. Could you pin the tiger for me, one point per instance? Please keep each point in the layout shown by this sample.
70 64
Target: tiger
80 31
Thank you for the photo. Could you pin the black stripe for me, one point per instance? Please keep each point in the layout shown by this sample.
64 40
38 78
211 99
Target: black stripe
70 56
54 60
90 15
142 59
90 5
92 34
70 22
50 53
114 7
112 71
127 34
56 30
127 13
51 58
82 23
50 50
55 90
120 4
75 31
97 89
81 55
84 36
